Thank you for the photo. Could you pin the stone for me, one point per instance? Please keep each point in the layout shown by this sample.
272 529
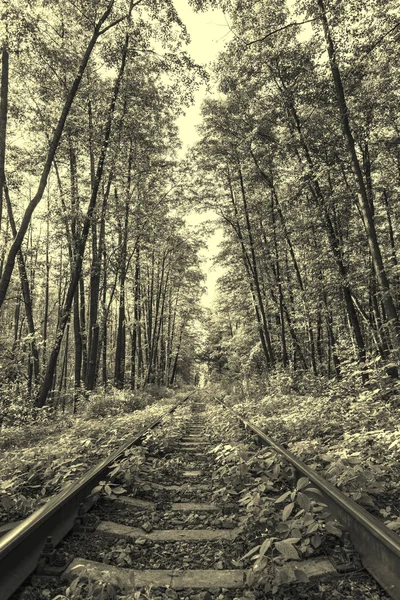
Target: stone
194 507
177 488
147 527
193 443
137 502
313 568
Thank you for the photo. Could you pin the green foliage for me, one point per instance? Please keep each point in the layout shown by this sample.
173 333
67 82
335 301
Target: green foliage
284 516
110 587
59 453
348 433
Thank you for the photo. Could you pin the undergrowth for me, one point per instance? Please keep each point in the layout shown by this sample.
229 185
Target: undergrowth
40 460
282 519
348 432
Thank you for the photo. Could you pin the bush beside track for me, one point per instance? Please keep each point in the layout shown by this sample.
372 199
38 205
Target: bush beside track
39 460
352 440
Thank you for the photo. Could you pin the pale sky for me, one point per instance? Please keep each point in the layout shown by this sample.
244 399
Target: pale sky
208 32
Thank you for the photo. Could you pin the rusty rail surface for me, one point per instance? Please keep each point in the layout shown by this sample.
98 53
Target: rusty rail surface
377 545
21 548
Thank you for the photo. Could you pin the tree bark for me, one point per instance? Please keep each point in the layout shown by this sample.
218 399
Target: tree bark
26 293
3 124
255 270
246 260
98 255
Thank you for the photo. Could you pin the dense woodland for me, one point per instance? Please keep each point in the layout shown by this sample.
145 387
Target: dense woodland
299 159
100 275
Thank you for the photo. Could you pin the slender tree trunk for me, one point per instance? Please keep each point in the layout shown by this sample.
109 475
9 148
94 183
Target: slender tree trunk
174 368
46 286
63 373
26 294
41 399
98 254
332 339
248 268
394 259
136 300
153 333
93 328
3 124
280 290
120 350
364 204
73 254
255 270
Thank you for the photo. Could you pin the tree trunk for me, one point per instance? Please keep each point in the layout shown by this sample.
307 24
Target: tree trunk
98 254
135 325
3 124
173 374
26 294
41 399
255 270
280 291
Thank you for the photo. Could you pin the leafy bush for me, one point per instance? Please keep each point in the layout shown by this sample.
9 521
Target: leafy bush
346 431
49 457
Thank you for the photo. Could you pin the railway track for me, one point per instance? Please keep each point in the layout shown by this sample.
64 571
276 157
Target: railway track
169 532
22 547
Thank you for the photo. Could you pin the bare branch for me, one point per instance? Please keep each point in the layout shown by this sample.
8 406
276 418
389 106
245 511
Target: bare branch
113 24
127 16
280 29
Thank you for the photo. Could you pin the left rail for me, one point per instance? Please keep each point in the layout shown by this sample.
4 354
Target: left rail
21 548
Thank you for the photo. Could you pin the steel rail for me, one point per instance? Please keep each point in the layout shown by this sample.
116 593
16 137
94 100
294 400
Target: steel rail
21 548
377 545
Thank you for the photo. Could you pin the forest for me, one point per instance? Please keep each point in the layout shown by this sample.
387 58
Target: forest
212 408
297 159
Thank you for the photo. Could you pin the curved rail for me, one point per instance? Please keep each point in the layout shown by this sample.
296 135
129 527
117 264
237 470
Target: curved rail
21 548
377 545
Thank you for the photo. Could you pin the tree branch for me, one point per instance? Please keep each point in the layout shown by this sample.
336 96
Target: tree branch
280 29
113 24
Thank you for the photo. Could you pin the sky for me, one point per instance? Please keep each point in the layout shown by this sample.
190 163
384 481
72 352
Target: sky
209 32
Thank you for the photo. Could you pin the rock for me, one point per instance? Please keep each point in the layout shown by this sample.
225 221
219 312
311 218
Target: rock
147 527
199 596
228 524
140 541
